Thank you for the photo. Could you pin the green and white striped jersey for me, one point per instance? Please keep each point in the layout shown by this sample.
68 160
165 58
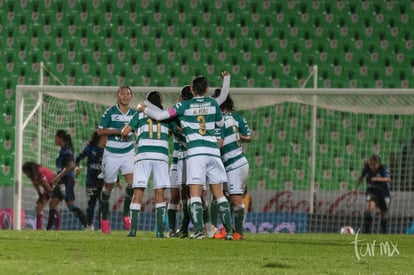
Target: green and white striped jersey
152 138
179 143
231 152
199 117
114 118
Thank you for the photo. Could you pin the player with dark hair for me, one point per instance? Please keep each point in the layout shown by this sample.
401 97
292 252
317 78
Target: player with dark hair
151 159
377 177
118 155
93 151
235 131
64 182
42 180
199 117
179 190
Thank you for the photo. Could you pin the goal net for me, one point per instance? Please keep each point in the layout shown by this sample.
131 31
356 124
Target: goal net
307 151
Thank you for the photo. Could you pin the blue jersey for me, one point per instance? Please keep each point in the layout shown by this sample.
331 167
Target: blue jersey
65 156
94 164
382 172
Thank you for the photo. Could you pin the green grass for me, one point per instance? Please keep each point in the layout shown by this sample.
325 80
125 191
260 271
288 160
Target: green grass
78 252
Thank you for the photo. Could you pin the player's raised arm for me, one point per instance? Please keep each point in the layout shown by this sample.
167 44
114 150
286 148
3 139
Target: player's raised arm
224 89
154 112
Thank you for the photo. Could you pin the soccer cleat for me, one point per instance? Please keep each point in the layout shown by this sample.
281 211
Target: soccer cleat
181 233
221 234
229 237
105 227
127 222
198 236
89 228
209 230
171 234
132 233
237 236
159 235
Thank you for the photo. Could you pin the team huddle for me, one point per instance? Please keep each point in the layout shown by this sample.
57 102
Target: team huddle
207 136
207 155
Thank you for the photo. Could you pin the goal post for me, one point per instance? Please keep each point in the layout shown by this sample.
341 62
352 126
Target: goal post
308 146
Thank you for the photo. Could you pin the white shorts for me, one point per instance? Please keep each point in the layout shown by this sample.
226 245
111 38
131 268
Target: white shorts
113 163
237 180
177 173
159 171
205 169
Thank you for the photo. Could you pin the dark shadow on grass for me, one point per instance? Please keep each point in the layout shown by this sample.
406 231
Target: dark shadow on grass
276 265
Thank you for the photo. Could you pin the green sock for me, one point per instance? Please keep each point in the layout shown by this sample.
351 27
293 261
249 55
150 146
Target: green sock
197 214
214 213
206 214
129 193
239 213
104 204
160 210
134 219
186 216
172 218
134 212
225 214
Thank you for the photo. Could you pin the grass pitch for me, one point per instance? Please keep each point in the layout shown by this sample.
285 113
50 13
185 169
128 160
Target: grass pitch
78 252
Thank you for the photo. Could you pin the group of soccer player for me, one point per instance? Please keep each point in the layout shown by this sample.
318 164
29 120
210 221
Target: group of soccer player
207 155
207 135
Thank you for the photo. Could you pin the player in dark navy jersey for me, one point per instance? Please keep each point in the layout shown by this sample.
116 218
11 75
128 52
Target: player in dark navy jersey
93 151
377 178
64 182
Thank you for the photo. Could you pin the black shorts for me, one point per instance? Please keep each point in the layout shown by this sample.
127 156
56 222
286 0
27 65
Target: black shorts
379 197
65 190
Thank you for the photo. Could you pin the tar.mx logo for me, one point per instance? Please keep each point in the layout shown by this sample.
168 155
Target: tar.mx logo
363 248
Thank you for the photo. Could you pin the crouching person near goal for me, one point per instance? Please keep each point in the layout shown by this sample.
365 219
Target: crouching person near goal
42 179
64 182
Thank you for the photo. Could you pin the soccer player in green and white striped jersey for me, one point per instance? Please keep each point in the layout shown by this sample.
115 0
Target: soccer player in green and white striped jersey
151 159
179 189
199 117
118 155
235 131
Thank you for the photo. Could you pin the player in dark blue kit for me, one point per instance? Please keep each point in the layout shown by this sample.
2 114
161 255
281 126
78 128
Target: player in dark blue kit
64 182
377 177
93 151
